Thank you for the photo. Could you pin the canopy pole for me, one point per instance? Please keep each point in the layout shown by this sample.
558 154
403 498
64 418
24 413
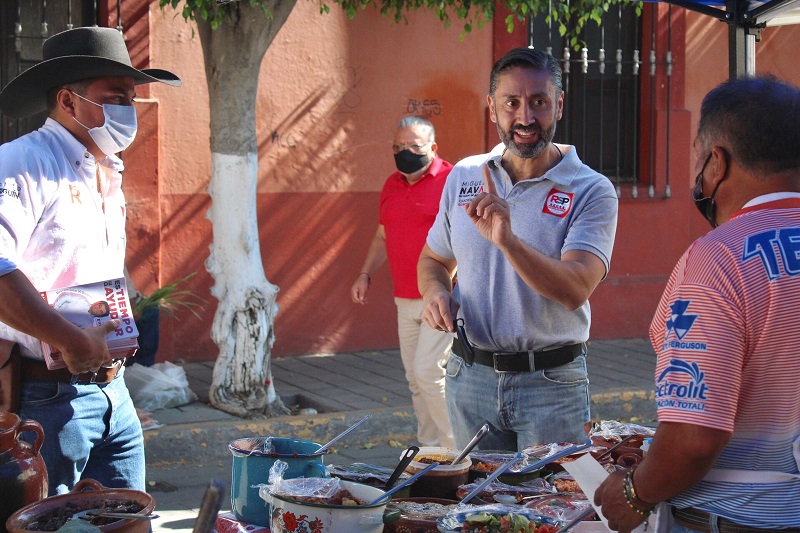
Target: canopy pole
741 40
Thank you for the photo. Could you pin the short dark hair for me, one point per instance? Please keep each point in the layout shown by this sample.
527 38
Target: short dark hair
413 121
527 58
759 121
77 87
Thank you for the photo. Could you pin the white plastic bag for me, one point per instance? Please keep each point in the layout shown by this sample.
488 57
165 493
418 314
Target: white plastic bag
160 386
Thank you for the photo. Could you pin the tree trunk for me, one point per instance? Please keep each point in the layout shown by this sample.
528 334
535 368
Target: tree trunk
244 319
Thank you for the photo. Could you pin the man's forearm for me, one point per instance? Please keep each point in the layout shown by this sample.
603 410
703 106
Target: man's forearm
22 308
569 280
433 276
681 455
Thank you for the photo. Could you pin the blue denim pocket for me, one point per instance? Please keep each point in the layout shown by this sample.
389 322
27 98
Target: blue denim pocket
39 393
571 373
453 367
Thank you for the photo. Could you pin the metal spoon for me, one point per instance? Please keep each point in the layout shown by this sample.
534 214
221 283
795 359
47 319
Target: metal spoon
478 436
98 513
508 498
563 453
340 435
502 468
405 483
406 458
614 447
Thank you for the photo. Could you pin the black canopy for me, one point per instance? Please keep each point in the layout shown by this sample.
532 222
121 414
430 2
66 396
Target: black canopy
745 19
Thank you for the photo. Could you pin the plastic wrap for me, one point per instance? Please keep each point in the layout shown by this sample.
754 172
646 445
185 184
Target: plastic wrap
614 431
532 487
300 488
469 518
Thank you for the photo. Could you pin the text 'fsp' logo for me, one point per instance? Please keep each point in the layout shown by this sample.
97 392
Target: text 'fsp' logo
558 203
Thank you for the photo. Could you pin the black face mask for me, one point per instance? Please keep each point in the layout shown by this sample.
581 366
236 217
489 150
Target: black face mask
706 205
408 162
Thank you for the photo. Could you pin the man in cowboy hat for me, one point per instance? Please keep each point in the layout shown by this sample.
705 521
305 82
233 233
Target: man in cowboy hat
62 223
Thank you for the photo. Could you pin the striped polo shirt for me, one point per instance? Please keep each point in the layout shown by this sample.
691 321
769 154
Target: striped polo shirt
727 334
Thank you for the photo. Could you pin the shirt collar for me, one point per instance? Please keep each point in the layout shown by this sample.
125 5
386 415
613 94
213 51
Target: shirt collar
771 197
567 168
76 152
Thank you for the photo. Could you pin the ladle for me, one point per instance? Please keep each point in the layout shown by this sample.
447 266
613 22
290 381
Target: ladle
478 436
406 458
563 453
405 483
502 468
340 435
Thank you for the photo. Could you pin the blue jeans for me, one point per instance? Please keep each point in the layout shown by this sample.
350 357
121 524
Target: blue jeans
90 431
523 409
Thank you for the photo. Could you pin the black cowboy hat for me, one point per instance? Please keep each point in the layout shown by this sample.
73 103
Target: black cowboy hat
70 56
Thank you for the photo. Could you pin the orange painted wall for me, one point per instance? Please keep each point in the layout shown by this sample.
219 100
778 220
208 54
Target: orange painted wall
331 92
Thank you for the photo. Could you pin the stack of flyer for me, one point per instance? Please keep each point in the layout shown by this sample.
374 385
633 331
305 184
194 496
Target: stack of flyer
91 305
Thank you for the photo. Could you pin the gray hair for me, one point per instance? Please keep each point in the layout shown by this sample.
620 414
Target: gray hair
527 58
413 122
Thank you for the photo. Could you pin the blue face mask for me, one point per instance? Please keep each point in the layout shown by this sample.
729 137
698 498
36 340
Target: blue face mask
119 129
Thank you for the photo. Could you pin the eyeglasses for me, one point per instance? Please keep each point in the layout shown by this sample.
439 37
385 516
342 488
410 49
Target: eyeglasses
415 148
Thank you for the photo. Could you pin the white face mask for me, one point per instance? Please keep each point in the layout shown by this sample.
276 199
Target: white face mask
119 129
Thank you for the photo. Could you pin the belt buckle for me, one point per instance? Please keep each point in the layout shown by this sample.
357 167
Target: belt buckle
495 361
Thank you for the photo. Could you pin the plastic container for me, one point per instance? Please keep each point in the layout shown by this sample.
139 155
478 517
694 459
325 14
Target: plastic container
442 481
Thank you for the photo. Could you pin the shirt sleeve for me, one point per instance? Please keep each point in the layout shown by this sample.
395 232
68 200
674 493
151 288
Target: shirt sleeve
698 332
595 224
21 204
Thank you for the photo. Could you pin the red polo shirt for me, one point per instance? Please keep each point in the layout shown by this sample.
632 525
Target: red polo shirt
407 213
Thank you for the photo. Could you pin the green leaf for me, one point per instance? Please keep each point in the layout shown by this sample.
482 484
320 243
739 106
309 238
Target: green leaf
170 298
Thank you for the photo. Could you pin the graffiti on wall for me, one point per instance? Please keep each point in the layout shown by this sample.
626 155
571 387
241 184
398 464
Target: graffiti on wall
344 85
427 107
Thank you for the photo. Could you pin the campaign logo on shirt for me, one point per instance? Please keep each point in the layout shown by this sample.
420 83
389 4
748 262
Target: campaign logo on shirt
558 203
682 386
10 189
680 323
469 190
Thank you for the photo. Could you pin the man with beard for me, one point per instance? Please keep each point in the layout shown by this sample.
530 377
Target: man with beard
530 229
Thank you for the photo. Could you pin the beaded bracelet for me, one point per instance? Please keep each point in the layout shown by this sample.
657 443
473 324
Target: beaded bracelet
629 492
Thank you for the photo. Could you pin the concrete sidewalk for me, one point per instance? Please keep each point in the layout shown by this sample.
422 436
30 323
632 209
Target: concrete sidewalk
191 447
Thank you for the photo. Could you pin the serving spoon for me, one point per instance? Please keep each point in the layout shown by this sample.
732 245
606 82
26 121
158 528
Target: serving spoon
405 483
502 468
478 436
341 435
406 458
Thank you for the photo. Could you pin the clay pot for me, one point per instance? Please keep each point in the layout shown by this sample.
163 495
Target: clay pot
409 524
87 494
23 475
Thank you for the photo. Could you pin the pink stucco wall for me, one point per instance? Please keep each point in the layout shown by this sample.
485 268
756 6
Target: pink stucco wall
331 93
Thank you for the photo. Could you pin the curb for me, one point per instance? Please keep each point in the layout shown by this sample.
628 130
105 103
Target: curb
626 405
204 442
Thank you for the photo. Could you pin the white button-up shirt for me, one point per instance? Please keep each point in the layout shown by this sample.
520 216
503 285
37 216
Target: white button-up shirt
62 215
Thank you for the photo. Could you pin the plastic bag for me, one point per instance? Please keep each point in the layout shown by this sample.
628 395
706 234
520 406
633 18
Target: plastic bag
613 430
160 386
301 488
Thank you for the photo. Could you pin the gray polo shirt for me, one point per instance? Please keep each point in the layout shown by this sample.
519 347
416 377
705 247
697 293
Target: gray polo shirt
571 207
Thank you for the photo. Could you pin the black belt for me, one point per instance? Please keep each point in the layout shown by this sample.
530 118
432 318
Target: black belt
701 520
521 361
